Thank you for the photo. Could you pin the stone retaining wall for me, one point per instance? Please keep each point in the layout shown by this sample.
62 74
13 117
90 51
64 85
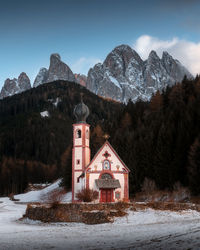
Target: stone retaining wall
76 212
96 213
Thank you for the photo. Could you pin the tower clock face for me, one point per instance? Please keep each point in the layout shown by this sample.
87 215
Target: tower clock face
106 165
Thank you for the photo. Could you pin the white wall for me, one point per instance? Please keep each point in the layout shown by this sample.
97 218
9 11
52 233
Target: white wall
116 166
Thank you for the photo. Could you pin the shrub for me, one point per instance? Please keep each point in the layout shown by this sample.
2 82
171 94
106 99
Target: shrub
148 186
87 195
54 197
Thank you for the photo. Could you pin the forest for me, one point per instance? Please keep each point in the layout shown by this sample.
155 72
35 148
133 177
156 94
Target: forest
158 140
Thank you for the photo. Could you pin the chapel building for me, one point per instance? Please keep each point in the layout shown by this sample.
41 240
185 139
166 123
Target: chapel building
105 173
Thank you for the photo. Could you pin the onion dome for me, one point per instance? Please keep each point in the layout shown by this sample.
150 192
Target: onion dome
81 112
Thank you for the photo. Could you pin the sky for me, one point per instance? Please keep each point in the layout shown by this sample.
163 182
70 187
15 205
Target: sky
83 32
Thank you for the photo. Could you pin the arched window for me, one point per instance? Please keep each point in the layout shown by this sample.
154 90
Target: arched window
106 176
78 133
106 165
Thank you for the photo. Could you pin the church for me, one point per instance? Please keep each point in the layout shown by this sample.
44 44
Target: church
106 173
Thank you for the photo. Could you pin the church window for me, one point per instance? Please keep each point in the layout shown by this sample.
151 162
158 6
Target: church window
106 165
106 176
78 162
78 133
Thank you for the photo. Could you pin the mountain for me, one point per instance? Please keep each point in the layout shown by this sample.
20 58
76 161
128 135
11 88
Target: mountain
58 70
15 86
81 79
41 77
124 75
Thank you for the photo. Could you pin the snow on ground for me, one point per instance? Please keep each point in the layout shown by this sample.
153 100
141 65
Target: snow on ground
145 229
36 196
44 114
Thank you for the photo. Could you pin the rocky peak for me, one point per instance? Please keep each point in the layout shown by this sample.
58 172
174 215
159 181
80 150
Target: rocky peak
15 86
118 60
81 79
174 67
153 57
41 77
23 81
125 75
58 70
166 56
55 56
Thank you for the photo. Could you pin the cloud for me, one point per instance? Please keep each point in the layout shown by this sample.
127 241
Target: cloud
83 64
187 52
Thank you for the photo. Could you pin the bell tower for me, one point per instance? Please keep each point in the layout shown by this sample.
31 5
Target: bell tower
81 148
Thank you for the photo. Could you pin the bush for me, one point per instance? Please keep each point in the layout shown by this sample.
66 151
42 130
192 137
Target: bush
54 197
148 186
87 195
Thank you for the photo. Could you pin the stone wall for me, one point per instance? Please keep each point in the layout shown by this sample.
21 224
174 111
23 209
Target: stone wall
76 212
96 213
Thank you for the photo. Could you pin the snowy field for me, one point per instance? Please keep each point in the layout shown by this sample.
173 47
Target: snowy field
145 229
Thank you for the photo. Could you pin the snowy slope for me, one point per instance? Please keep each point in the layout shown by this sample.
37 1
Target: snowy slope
35 196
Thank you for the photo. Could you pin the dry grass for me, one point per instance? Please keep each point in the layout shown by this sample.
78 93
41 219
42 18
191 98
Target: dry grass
53 198
180 195
87 195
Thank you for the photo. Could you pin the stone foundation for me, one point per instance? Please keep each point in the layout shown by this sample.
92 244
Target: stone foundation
76 212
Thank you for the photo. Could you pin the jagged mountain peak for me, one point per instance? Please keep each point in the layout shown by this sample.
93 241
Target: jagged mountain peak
153 55
55 56
165 54
81 79
58 70
23 76
124 51
15 85
125 75
41 77
122 47
122 76
118 61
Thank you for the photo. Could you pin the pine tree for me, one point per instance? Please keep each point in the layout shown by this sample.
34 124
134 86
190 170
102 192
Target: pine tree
194 167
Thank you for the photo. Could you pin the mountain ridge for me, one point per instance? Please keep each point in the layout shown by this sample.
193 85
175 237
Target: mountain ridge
122 76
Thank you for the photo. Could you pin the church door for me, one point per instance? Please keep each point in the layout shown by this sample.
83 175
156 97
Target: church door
106 195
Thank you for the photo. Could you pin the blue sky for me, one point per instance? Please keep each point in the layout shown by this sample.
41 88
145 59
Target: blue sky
83 32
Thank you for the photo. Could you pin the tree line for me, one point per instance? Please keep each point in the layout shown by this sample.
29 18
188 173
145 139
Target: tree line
159 139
